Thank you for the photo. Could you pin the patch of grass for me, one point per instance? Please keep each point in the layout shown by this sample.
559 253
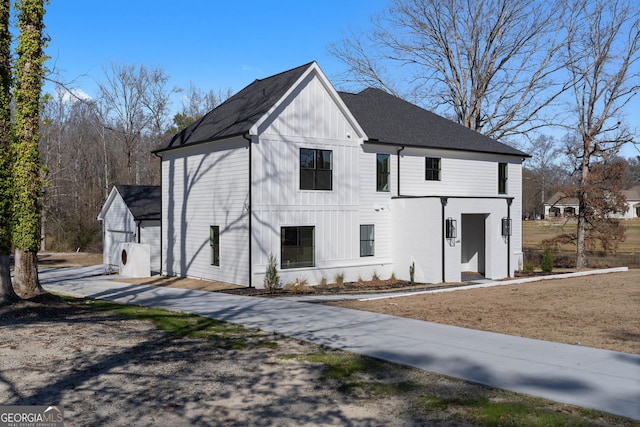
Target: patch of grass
525 412
221 333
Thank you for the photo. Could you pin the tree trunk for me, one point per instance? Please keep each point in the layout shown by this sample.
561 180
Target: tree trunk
7 294
25 280
583 202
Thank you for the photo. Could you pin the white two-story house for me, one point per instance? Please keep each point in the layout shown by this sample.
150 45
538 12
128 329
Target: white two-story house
336 183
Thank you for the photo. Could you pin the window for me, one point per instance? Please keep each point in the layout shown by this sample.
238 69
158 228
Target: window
367 239
297 247
315 169
432 170
502 178
383 170
214 242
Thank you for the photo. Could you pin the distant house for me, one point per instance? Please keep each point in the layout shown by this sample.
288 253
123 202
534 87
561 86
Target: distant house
131 214
561 205
333 183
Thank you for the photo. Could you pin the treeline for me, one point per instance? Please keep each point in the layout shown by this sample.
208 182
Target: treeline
87 145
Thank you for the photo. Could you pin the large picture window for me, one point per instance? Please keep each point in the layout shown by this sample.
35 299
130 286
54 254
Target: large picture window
432 169
214 243
367 240
297 247
502 178
316 168
383 170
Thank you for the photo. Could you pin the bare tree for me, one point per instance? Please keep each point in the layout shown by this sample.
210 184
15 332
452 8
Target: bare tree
136 102
542 172
602 57
491 63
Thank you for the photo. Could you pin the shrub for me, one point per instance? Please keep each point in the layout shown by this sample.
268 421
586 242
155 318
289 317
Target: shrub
393 276
412 273
339 278
297 286
374 276
271 277
547 260
323 281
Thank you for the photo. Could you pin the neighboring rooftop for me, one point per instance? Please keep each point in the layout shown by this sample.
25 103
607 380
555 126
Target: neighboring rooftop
144 201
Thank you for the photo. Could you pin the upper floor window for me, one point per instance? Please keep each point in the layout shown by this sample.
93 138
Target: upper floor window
316 169
502 178
432 169
383 170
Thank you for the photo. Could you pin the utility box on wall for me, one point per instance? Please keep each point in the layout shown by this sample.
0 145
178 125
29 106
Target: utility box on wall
134 260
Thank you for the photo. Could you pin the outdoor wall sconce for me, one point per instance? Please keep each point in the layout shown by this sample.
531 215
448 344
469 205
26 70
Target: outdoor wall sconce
506 227
451 228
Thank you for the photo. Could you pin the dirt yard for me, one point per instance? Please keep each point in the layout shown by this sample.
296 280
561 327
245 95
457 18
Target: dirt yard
600 311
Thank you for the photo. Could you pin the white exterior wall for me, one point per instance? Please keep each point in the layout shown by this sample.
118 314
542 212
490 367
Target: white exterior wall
118 227
202 186
150 234
310 117
470 182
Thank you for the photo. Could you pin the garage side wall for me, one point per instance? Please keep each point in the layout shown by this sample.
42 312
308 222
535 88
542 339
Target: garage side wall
118 226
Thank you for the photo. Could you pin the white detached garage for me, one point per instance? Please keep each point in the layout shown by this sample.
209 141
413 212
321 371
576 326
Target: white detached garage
131 214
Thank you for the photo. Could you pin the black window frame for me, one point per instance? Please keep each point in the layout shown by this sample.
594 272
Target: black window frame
214 244
503 177
316 171
432 168
383 172
293 252
367 240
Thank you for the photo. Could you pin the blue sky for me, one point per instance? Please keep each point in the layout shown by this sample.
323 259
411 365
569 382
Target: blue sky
212 44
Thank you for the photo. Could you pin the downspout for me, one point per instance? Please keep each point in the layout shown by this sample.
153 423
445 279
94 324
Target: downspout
138 223
398 155
248 138
443 202
161 216
509 201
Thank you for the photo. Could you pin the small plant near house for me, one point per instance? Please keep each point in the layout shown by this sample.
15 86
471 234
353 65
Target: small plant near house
297 286
323 281
271 277
412 273
375 276
547 260
339 279
529 268
393 276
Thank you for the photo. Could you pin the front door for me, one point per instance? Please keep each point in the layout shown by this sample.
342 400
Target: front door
473 243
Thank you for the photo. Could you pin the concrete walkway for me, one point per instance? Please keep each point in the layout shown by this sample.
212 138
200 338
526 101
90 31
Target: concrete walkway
587 377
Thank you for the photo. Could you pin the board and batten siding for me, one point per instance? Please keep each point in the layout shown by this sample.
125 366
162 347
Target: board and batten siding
118 227
150 234
310 117
206 185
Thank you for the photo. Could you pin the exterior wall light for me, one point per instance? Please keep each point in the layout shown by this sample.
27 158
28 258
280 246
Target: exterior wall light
451 228
506 227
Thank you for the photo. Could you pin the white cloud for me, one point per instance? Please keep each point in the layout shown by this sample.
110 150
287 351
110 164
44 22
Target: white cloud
72 95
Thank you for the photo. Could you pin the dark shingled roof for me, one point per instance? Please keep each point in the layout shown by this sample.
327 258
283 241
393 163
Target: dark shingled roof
237 114
144 201
391 120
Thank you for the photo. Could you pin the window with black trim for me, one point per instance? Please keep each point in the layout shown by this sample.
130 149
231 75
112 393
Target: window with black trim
432 169
214 243
297 247
502 178
367 240
316 169
383 171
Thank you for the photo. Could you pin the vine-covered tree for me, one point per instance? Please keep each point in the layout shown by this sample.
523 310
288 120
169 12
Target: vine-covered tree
26 160
7 293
